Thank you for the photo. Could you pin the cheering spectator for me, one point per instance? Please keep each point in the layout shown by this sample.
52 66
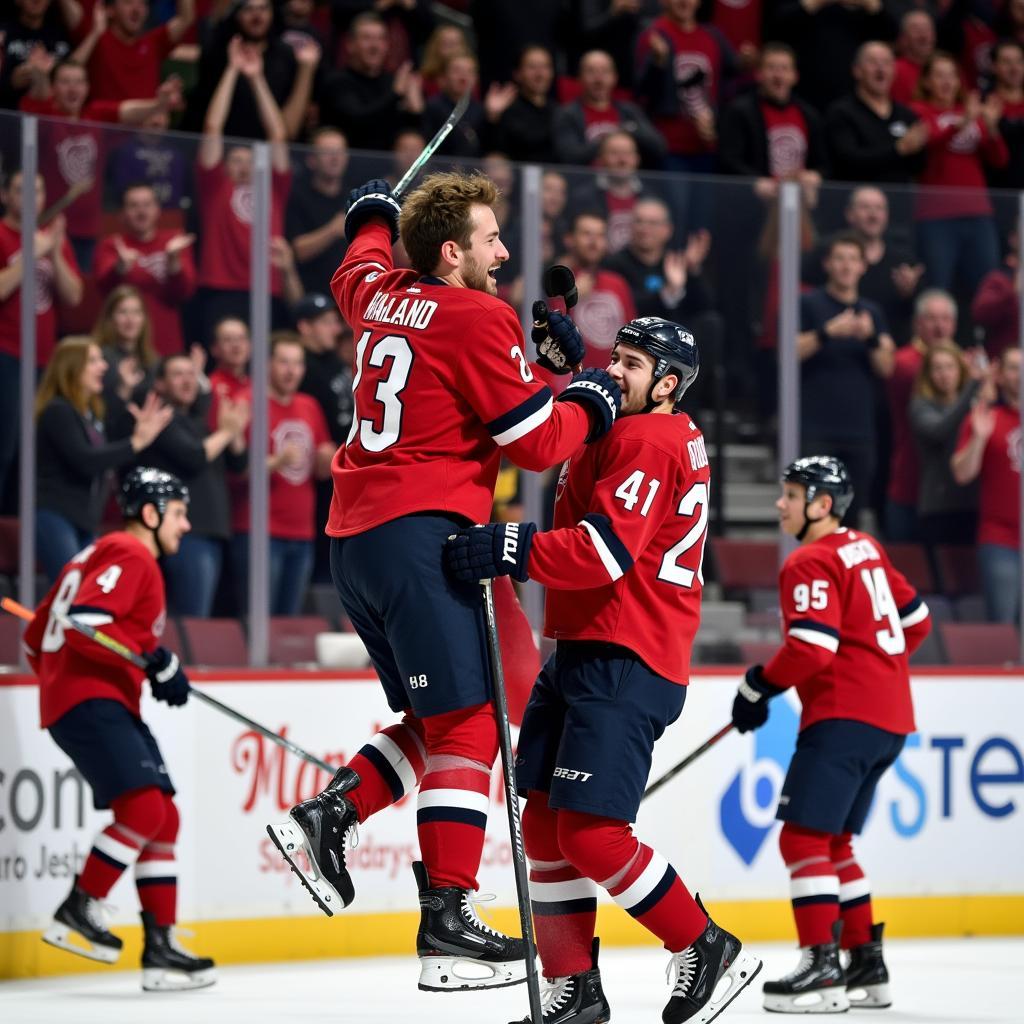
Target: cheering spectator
459 77
616 188
946 387
149 156
232 348
408 23
503 30
605 301
408 145
843 345
915 44
742 24
956 232
224 182
198 456
612 26
989 450
444 42
1008 72
680 66
157 261
870 137
935 316
124 336
365 100
31 43
300 451
580 125
315 220
525 128
72 455
554 201
996 305
122 58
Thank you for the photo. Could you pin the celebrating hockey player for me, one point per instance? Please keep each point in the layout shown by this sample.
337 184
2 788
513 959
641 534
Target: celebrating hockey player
623 568
851 622
442 389
89 701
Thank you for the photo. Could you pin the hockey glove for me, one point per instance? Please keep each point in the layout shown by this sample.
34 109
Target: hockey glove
750 706
373 199
558 340
167 678
494 549
599 395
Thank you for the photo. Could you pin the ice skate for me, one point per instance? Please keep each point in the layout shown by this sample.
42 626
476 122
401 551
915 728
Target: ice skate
166 966
707 976
320 829
575 999
867 978
818 985
80 927
456 949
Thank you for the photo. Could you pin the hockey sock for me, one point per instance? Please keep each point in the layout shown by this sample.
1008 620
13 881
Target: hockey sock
390 766
564 901
638 878
138 816
854 893
813 882
156 871
451 812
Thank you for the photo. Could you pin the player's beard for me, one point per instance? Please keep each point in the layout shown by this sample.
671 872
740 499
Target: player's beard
476 277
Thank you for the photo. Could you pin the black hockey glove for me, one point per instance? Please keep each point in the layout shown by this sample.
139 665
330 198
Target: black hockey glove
494 549
750 706
558 340
167 678
373 199
599 395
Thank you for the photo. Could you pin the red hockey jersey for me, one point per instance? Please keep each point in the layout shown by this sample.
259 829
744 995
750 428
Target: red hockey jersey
115 585
442 388
851 622
623 561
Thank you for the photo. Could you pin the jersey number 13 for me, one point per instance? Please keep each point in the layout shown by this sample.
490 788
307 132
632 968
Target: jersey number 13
393 347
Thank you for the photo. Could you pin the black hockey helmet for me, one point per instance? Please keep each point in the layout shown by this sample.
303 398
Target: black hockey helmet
673 347
822 474
145 486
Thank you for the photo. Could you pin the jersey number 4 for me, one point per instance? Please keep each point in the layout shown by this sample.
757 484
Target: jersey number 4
388 394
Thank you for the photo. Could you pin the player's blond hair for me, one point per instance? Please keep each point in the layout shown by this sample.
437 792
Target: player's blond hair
438 212
63 377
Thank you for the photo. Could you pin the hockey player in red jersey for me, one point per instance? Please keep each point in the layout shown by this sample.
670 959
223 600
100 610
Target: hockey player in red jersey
442 388
851 622
89 701
623 567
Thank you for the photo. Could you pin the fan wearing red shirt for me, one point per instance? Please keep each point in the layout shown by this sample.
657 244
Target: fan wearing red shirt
157 261
916 43
989 450
89 701
442 389
623 567
851 622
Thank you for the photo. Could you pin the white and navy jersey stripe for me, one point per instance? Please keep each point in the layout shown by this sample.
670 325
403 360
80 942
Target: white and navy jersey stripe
614 555
913 612
646 888
814 889
526 416
817 633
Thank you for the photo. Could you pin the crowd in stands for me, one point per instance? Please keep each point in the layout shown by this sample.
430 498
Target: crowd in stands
665 129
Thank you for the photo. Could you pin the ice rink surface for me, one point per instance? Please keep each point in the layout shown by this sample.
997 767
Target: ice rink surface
972 981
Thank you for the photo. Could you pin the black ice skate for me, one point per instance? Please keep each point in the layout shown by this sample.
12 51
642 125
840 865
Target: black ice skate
707 976
818 985
575 999
166 967
80 927
456 949
320 829
867 979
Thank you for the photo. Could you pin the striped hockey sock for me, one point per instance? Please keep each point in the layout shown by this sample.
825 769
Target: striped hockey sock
854 894
813 883
390 766
156 871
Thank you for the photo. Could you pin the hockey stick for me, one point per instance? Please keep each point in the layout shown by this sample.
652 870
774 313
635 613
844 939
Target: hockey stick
558 280
138 661
686 761
432 146
515 823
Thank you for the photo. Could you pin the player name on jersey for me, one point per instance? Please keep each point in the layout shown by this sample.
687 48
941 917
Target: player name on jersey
385 308
857 552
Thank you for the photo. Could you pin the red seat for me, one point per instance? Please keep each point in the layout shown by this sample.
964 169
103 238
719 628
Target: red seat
912 561
980 643
958 567
9 537
757 652
293 638
10 640
219 643
174 640
746 564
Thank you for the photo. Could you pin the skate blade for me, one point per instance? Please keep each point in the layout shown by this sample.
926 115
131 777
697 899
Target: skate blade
452 974
824 1000
289 839
869 997
63 937
162 979
743 970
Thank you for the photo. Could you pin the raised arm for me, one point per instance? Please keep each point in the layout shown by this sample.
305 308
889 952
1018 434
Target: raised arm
211 148
182 20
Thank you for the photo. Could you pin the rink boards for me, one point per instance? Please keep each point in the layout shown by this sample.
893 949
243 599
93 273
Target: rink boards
942 845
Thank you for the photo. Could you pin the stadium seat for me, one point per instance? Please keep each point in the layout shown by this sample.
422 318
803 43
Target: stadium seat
980 643
757 652
322 599
10 640
930 652
9 534
958 568
969 608
744 565
940 608
219 643
174 640
293 638
912 561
